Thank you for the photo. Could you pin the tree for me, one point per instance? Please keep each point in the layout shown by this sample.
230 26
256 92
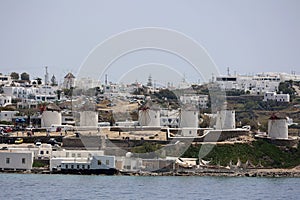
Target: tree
53 81
14 76
25 76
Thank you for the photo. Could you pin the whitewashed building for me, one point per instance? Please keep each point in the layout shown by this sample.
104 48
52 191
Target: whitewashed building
43 151
5 100
6 115
22 160
73 156
5 79
276 97
198 100
256 85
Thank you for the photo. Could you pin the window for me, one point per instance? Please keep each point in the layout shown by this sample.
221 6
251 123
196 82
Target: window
99 162
7 160
73 154
47 152
107 162
67 166
72 166
88 167
79 155
67 154
23 160
83 166
42 152
77 166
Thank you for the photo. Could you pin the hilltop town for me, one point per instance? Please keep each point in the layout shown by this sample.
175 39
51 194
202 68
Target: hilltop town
233 124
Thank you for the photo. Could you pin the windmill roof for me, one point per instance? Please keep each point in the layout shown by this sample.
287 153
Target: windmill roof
53 107
69 75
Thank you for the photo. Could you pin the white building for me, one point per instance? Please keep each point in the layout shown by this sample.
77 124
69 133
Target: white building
287 77
27 103
198 100
91 163
169 118
41 152
276 97
72 156
21 160
5 100
6 115
5 79
256 85
38 93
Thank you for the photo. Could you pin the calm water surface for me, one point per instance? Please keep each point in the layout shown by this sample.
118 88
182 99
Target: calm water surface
35 186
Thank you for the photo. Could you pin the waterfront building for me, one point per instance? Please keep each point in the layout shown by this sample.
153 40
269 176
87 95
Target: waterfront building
19 160
74 157
43 151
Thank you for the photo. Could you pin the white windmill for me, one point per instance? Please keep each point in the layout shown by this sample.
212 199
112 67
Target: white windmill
149 116
188 121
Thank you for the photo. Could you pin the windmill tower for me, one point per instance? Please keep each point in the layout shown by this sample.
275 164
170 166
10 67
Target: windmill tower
277 128
149 116
189 120
225 119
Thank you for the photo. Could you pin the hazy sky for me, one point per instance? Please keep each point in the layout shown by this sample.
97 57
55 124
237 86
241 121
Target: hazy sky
246 36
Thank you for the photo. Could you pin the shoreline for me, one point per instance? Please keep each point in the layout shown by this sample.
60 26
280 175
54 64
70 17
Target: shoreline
263 173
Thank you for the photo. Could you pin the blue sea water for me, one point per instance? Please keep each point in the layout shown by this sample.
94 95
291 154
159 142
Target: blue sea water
39 186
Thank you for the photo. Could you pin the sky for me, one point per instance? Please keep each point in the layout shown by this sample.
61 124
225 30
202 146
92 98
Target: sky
246 36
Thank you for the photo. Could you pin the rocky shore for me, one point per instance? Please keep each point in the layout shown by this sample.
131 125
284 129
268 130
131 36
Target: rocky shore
244 173
289 173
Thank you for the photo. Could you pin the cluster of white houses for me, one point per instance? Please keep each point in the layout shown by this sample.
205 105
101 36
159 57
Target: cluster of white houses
258 84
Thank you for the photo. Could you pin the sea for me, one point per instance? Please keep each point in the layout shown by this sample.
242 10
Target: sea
45 186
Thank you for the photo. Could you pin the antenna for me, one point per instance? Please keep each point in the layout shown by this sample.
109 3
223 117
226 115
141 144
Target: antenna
228 71
105 79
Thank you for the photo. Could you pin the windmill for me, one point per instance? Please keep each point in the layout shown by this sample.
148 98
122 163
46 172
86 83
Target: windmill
149 115
144 116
